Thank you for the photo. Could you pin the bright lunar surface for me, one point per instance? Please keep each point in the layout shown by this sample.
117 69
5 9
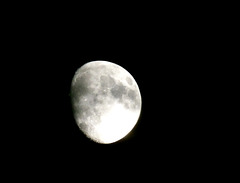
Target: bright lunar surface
106 101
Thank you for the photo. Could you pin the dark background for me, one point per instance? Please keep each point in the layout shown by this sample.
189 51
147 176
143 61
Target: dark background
166 51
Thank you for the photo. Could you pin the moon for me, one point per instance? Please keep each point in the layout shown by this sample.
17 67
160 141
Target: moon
106 101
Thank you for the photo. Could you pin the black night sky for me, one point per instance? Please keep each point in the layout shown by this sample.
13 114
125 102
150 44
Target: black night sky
163 53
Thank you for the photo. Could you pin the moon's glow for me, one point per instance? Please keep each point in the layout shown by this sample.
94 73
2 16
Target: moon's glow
116 123
106 101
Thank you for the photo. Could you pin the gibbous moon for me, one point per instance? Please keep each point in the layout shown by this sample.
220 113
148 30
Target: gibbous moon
106 101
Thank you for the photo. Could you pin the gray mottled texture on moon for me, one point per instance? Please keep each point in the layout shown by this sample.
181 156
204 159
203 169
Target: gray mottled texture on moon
100 89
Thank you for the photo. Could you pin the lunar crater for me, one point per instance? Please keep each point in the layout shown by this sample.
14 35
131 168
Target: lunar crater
107 81
132 95
129 80
118 91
